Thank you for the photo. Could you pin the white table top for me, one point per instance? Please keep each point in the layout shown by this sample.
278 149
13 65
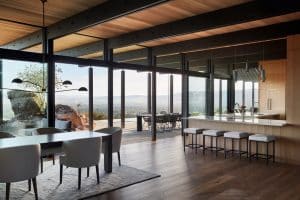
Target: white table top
48 138
241 120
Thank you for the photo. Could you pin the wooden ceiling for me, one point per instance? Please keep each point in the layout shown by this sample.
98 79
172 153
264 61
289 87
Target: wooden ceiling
163 13
227 29
30 12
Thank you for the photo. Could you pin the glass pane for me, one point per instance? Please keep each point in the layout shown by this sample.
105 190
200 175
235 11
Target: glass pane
216 96
248 95
71 104
162 93
23 100
197 94
177 93
100 97
117 98
238 93
136 86
224 96
256 101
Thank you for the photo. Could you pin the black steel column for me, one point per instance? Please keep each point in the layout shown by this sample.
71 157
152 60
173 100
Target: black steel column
230 92
91 99
1 91
149 93
185 91
108 57
171 106
152 62
51 85
123 99
220 98
210 89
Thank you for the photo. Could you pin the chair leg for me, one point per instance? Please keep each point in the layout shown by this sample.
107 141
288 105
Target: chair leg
41 160
29 185
119 158
35 188
247 147
97 172
53 159
87 172
79 178
7 191
60 174
240 147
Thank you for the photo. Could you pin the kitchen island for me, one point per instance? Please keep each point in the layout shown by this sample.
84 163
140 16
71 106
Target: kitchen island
287 135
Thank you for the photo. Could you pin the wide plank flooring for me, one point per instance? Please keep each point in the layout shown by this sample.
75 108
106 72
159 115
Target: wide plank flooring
194 176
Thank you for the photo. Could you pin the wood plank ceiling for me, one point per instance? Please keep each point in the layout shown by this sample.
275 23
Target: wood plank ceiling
160 14
30 12
163 13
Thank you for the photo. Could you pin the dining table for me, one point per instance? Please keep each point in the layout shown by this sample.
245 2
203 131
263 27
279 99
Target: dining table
63 137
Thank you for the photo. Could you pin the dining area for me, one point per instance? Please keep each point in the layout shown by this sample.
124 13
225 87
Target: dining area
22 157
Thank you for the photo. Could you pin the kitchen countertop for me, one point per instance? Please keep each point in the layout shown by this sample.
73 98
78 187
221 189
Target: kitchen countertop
240 120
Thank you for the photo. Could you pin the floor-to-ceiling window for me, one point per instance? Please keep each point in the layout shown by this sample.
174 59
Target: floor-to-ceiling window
220 96
217 96
246 94
162 92
100 86
23 96
177 87
117 98
136 87
71 103
197 95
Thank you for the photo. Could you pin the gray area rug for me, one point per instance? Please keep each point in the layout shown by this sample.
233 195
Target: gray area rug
49 188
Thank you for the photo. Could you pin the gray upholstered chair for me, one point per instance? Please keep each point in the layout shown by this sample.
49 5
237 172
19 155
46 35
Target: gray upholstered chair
5 135
116 140
19 164
82 153
48 149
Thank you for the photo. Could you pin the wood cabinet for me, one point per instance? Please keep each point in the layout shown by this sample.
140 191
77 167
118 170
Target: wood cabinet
272 91
293 80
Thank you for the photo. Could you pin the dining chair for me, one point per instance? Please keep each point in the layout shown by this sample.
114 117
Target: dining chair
116 133
81 153
49 149
19 164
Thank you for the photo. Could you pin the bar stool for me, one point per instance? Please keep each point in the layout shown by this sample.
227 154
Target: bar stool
212 134
235 135
265 139
193 132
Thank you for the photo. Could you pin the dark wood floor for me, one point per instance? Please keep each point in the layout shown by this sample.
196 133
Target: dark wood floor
194 176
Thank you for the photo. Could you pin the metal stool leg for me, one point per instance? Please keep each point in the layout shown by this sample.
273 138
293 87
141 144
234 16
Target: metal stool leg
267 152
273 151
203 144
256 150
225 147
249 150
216 146
240 149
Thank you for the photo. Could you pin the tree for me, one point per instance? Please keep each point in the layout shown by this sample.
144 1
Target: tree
35 79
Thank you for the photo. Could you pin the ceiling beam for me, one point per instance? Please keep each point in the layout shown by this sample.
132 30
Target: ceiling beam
267 33
239 37
99 14
216 19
